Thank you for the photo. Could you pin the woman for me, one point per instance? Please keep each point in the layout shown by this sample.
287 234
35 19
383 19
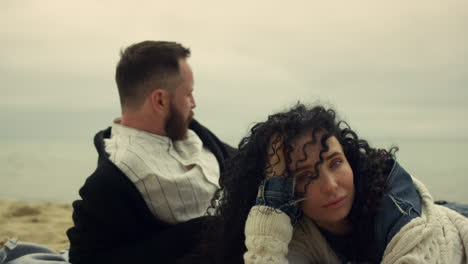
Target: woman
357 204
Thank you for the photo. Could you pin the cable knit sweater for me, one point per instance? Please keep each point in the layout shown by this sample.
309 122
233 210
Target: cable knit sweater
440 235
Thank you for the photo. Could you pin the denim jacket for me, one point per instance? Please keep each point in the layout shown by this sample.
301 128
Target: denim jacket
278 193
400 204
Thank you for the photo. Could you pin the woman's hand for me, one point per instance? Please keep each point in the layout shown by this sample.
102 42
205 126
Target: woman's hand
277 189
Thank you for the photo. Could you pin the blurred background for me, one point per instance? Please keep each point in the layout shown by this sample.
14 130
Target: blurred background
397 71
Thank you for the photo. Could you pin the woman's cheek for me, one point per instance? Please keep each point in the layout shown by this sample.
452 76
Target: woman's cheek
307 208
300 187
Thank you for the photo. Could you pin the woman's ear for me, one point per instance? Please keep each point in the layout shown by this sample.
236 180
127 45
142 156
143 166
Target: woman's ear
159 99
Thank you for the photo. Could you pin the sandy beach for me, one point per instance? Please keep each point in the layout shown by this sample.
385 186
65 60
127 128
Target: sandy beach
42 223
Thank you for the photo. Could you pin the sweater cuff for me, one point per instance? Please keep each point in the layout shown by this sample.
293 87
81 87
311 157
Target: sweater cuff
267 221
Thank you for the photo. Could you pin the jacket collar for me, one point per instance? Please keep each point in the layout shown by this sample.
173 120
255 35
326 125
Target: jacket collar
400 204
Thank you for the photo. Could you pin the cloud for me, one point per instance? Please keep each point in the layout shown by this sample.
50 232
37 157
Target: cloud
250 58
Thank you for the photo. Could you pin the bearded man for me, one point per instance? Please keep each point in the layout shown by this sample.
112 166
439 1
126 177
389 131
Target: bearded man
158 168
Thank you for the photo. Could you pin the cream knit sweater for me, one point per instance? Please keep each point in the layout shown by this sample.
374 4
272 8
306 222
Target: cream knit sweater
440 235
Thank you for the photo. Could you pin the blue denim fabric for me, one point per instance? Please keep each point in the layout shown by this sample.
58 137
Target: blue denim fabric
15 252
457 207
400 204
278 193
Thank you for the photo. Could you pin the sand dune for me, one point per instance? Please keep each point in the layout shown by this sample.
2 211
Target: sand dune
42 223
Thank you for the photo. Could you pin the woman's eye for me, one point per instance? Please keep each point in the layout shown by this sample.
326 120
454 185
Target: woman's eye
336 163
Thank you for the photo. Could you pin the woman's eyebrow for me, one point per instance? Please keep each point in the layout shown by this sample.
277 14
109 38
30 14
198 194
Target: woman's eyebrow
331 156
299 169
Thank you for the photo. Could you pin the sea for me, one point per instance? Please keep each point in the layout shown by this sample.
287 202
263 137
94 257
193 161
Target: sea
54 170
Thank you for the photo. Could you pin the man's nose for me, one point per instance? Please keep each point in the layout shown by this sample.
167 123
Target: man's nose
193 103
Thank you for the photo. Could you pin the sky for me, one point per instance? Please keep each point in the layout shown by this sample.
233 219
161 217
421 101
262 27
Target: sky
397 70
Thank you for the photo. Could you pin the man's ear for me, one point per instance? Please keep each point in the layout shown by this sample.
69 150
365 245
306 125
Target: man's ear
159 99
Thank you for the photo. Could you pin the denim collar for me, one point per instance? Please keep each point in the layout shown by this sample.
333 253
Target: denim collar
400 185
400 204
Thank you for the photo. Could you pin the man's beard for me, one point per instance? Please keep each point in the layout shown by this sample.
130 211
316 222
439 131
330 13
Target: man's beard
176 126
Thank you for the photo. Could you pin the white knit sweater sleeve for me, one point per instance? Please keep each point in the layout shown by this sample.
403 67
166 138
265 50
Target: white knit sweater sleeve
267 236
438 236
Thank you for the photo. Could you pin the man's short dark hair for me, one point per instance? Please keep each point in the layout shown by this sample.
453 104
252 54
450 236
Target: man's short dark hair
145 66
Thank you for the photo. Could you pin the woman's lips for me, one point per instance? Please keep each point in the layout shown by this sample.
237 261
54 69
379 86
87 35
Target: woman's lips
336 203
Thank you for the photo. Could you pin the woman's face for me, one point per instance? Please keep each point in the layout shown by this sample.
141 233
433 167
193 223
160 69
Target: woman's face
329 195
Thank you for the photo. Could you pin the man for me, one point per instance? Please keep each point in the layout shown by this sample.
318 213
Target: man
157 168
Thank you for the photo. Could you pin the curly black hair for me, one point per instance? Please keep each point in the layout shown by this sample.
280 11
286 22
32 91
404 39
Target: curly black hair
245 171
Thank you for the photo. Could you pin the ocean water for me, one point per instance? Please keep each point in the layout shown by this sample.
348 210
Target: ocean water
441 164
54 170
45 170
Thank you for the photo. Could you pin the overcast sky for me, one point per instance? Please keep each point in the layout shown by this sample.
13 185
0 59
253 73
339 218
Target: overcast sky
391 68
397 70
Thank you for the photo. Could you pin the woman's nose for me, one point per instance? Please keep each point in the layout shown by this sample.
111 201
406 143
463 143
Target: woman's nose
330 185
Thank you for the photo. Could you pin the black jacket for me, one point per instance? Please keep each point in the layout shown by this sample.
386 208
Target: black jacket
112 223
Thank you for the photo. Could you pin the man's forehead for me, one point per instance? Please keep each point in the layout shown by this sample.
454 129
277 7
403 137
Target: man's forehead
186 73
